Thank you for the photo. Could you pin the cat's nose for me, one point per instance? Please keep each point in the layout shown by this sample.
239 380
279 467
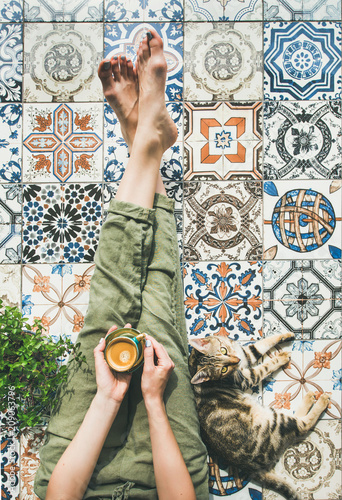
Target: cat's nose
234 360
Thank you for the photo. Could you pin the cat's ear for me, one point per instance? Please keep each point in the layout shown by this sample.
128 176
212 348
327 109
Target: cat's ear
201 345
201 376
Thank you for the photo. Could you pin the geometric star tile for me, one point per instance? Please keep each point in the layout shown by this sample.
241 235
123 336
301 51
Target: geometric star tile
11 49
223 61
61 61
61 222
302 140
213 10
223 140
150 10
302 61
302 10
124 38
62 142
56 10
222 220
10 142
302 219
223 299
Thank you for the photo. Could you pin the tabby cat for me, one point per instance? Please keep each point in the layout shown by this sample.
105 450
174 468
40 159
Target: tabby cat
235 427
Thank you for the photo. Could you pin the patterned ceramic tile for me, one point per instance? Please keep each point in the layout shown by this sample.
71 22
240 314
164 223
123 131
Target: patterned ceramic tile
54 10
30 442
10 142
302 60
61 222
10 284
302 140
62 142
302 221
61 62
11 54
243 489
223 299
149 10
124 39
220 10
313 465
116 150
222 220
11 11
58 295
223 140
306 10
223 61
10 223
10 462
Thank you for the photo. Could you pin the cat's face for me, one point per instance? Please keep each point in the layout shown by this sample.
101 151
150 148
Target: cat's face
217 361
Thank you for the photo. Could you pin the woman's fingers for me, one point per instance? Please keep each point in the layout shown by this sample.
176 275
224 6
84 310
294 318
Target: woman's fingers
148 355
160 351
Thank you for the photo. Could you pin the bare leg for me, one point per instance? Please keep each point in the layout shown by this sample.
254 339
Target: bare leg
121 89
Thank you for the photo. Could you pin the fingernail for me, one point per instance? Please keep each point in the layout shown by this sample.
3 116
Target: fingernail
106 65
148 343
149 35
100 340
123 58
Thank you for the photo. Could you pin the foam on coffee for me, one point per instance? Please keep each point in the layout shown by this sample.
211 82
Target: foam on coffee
121 355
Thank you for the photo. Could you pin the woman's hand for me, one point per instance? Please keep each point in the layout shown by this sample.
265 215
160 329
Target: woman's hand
110 385
155 375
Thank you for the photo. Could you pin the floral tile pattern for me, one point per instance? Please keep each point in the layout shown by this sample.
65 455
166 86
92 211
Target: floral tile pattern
219 10
62 142
223 299
11 11
222 61
302 140
62 62
298 10
54 10
61 223
58 295
10 142
149 10
30 442
10 465
116 150
222 220
223 140
10 284
302 60
124 39
302 223
11 53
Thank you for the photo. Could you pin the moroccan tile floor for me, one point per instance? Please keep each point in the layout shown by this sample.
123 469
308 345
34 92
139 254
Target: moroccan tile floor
255 90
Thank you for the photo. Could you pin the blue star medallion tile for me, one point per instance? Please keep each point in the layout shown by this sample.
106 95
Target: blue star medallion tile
57 11
302 10
302 61
10 142
11 49
11 11
124 39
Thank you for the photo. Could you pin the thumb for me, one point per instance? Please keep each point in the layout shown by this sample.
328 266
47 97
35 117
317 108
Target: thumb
148 354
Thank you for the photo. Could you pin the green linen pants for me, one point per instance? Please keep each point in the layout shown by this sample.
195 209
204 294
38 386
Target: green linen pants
137 280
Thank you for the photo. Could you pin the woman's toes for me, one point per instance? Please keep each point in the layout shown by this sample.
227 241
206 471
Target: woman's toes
145 48
123 66
130 70
116 68
103 70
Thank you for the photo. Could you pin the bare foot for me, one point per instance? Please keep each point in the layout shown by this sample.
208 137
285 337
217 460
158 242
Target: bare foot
151 70
120 87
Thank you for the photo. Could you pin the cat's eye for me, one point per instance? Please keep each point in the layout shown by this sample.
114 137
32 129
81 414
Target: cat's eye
223 350
224 369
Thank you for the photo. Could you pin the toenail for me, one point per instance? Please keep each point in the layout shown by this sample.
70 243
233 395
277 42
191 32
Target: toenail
149 35
106 65
123 58
115 58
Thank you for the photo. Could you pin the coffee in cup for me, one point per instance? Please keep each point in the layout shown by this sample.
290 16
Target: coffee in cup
124 349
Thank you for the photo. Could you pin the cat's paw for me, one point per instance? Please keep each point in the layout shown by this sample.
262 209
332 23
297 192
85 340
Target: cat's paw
324 400
309 398
284 358
287 336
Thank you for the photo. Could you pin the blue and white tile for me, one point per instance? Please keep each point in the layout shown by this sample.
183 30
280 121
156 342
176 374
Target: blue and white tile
10 142
223 61
11 11
302 140
10 465
62 142
11 53
223 298
124 39
219 10
61 61
302 221
222 220
55 11
116 150
302 61
302 10
247 490
149 10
